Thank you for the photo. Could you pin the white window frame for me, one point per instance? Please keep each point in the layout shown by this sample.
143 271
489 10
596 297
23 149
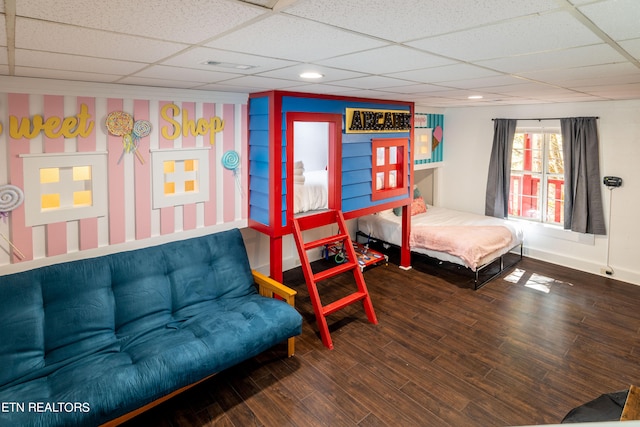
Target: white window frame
544 175
158 157
33 190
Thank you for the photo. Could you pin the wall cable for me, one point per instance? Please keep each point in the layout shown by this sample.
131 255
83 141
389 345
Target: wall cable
609 268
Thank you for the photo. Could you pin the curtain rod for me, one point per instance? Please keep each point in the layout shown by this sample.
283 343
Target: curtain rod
548 118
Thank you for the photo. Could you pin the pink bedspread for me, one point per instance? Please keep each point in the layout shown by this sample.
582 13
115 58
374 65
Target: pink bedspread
470 243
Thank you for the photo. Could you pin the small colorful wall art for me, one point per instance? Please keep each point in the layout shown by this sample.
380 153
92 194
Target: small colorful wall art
428 137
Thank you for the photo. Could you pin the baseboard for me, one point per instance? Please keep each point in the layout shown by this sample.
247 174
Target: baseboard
621 274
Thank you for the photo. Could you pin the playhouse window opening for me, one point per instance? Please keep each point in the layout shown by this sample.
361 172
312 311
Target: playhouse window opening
389 168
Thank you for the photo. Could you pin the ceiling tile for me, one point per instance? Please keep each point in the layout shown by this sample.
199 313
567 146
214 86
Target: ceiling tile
294 39
570 75
318 88
445 74
184 74
145 81
61 61
66 75
329 74
566 58
195 58
622 91
414 89
373 82
414 19
525 89
388 59
52 37
369 93
531 34
481 83
262 83
632 47
190 21
620 19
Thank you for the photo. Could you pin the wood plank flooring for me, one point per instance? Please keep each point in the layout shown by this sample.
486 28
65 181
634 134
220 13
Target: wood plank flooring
524 349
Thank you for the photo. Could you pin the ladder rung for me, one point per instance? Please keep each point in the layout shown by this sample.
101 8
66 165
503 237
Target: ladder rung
308 222
325 241
342 302
334 271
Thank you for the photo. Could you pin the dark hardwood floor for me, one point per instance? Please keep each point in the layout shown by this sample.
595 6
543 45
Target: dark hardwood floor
524 349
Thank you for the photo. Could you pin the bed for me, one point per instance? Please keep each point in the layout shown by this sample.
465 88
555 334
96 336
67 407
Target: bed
471 240
311 192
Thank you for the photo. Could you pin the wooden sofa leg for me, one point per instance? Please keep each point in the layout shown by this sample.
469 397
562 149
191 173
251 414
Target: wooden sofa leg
291 344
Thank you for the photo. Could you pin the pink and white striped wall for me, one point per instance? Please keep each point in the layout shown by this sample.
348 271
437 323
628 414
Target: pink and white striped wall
131 217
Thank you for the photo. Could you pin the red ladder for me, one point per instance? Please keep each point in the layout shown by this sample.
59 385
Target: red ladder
308 222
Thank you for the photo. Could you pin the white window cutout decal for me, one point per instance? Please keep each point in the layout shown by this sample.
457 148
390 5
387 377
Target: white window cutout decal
64 187
180 176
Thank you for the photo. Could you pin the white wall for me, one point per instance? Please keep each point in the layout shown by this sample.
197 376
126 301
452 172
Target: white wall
468 133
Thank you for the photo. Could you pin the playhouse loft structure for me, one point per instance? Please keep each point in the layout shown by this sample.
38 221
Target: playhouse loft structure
368 160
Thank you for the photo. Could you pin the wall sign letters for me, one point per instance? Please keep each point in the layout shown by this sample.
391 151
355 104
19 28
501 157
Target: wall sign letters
362 121
82 125
53 127
189 126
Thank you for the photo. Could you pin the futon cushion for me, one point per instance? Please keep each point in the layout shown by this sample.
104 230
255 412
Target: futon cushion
22 325
43 328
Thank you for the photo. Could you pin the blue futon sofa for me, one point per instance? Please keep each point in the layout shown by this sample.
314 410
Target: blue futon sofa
99 340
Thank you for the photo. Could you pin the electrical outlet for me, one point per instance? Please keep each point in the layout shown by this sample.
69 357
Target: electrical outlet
607 271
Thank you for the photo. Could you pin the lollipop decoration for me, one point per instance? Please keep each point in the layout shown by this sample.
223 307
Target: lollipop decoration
231 161
121 124
10 198
141 128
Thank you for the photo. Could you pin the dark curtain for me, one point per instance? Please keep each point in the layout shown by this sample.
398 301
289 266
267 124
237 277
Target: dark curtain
582 198
498 182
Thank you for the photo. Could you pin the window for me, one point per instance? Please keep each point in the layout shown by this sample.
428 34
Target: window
389 168
537 176
180 176
64 187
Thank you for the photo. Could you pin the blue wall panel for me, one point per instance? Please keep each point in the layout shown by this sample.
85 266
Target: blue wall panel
259 153
260 170
356 163
259 137
356 149
259 186
259 160
356 190
259 122
356 176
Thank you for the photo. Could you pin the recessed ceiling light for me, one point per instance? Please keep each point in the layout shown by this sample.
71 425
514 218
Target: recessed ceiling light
311 75
229 65
474 97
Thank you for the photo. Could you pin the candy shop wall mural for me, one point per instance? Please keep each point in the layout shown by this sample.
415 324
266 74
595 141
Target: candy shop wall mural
81 173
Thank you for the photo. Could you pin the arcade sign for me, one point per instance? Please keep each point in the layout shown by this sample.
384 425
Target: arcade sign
360 120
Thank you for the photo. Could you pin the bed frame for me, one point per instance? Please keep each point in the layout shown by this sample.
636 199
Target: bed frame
477 283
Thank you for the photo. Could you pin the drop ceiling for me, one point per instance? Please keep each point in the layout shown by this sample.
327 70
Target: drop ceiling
432 52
